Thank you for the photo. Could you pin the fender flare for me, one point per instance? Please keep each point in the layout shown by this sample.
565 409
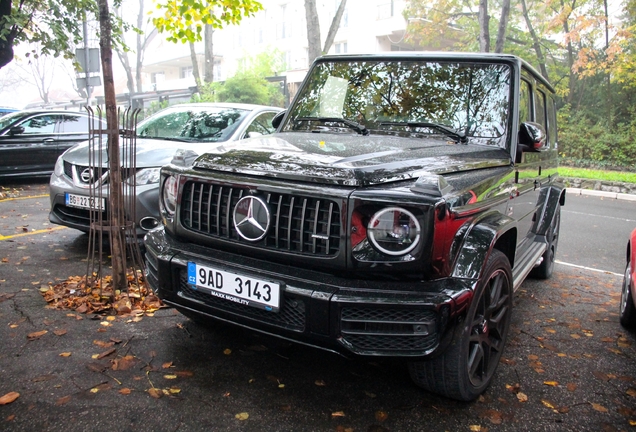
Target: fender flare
481 237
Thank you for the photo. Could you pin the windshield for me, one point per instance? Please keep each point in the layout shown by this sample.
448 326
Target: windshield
406 97
7 119
206 124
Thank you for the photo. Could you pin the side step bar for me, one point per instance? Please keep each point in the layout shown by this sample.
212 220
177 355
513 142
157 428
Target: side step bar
526 262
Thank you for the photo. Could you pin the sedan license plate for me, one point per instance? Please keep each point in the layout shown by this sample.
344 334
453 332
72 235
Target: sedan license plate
234 287
82 201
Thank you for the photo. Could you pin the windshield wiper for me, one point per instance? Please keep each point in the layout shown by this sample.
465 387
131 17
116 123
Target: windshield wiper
166 138
446 130
361 129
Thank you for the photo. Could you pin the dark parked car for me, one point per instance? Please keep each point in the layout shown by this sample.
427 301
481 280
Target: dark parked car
31 141
628 293
192 127
401 202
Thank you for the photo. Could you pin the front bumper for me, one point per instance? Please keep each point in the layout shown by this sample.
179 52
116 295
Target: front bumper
146 206
348 316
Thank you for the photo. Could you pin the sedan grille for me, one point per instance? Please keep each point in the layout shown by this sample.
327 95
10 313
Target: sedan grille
299 224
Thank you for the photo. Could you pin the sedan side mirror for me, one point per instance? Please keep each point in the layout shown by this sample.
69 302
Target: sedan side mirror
278 118
16 130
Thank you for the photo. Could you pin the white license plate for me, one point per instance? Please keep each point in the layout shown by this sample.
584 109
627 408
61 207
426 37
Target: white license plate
233 287
82 201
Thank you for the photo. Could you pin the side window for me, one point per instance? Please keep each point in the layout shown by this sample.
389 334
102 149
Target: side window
73 124
524 102
552 122
261 124
540 115
43 124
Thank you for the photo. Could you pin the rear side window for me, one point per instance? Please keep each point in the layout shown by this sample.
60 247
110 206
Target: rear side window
73 124
524 102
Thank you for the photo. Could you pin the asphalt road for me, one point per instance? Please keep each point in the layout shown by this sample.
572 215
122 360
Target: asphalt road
568 365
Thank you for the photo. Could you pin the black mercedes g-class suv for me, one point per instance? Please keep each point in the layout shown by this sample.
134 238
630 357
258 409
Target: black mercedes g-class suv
401 202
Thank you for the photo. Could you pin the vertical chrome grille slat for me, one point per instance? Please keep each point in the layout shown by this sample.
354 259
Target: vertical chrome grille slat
298 224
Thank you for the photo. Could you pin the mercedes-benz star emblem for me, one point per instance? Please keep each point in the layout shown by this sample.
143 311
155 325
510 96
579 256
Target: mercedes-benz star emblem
251 218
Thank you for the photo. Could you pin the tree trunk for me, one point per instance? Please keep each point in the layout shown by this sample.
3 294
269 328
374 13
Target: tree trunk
484 31
195 66
208 69
535 41
335 25
503 26
115 198
313 31
141 46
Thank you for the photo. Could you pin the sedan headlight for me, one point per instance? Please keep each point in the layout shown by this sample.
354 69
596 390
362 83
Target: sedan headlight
146 176
394 231
169 194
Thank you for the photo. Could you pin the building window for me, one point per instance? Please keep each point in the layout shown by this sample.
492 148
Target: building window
157 77
283 28
341 48
185 72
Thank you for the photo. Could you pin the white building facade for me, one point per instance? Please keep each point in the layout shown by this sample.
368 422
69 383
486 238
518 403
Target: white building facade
367 26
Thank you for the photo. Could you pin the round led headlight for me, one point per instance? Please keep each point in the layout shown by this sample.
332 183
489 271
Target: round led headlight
394 231
169 194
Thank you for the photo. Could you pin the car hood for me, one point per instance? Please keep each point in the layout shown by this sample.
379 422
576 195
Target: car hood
348 159
149 152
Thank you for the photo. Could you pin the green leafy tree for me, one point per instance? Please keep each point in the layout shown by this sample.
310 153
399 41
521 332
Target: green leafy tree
184 20
53 25
249 84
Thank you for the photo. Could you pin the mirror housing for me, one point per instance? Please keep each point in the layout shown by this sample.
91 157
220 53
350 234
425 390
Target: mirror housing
16 130
532 136
278 118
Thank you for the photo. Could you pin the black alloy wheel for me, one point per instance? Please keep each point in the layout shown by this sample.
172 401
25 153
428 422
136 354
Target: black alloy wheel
466 369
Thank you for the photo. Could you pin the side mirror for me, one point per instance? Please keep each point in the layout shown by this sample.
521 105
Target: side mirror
16 130
533 136
278 118
254 134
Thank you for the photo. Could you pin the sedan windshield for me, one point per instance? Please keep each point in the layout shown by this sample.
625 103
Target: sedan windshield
460 101
10 118
208 124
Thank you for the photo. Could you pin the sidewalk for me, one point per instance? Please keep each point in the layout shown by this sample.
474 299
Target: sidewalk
604 194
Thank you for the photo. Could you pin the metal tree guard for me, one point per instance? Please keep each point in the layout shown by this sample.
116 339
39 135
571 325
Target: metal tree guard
101 213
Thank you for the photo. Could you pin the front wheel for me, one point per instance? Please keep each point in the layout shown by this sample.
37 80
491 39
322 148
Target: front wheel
628 310
466 368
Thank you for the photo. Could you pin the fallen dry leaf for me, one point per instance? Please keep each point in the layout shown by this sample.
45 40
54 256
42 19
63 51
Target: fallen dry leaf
227 351
338 414
65 354
125 391
9 397
599 408
63 400
103 344
155 393
242 416
170 377
551 383
106 353
124 363
522 397
166 365
381 416
320 383
547 404
37 335
59 332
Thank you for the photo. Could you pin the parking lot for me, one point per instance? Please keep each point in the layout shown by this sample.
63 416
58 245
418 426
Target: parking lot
568 365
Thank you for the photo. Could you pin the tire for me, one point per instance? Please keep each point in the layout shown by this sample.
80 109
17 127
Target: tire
545 269
466 368
628 310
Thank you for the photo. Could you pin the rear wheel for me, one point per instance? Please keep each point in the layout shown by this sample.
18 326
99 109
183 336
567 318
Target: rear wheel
628 310
466 368
545 269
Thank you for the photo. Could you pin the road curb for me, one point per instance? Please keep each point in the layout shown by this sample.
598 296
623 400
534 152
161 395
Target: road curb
604 194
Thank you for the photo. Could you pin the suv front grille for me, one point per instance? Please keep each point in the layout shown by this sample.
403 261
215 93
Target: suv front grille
299 224
393 329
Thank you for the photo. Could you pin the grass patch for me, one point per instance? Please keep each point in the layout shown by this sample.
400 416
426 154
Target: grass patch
617 176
